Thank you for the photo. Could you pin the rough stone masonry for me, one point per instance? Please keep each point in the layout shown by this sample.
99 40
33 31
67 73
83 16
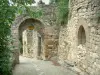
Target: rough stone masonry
42 41
79 41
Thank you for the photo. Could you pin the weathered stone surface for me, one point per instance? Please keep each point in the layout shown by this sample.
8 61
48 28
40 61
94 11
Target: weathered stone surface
86 56
44 28
79 40
24 38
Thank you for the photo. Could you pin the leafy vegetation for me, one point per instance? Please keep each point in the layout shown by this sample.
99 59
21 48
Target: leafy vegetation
29 11
7 15
8 11
63 10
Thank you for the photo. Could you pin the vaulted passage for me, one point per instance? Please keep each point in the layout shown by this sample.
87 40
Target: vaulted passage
29 41
81 36
28 37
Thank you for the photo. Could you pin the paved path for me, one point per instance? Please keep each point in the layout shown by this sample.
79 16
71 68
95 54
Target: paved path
29 66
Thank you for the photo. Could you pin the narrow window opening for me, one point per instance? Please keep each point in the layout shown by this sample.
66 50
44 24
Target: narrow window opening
81 36
39 46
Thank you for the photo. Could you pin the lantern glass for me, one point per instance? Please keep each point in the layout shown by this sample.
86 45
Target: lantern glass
30 27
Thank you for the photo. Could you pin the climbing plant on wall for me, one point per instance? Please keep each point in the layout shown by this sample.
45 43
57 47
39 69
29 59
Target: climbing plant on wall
26 8
29 11
7 15
63 9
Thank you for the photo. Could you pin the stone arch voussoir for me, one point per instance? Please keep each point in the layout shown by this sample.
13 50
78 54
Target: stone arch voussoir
15 34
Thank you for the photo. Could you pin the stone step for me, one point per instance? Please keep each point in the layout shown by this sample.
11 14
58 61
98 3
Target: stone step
50 45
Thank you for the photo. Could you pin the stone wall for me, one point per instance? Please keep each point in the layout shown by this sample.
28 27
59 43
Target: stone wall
51 43
21 24
30 43
85 56
45 26
51 31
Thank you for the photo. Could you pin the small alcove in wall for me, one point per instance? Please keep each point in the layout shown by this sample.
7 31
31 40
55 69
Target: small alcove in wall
39 45
81 36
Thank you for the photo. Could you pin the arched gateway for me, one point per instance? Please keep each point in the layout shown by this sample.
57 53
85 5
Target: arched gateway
27 35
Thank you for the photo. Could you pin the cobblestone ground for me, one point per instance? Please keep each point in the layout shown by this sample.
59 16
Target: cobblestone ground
29 66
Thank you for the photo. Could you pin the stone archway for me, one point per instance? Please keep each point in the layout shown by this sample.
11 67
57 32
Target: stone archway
19 28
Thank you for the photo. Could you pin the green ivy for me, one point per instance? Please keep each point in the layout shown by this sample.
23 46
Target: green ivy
63 11
7 15
29 11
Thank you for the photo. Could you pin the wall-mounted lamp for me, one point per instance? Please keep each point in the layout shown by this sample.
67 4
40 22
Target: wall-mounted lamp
31 27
